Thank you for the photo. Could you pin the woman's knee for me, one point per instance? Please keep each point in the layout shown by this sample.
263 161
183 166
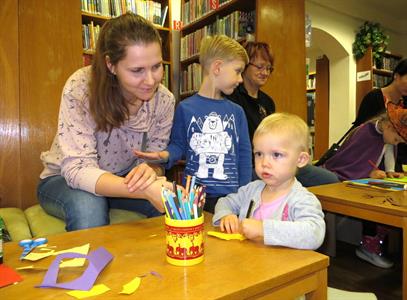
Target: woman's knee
78 208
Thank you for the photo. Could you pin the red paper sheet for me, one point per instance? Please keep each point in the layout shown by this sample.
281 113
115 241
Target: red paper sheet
8 275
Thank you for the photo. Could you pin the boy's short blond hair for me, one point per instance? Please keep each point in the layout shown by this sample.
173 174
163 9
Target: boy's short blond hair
220 47
285 123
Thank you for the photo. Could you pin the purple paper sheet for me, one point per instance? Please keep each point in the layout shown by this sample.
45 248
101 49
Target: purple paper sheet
98 260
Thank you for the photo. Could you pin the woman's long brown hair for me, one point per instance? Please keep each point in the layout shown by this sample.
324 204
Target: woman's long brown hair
107 103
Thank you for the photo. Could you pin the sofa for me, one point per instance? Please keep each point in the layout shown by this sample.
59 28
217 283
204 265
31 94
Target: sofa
35 222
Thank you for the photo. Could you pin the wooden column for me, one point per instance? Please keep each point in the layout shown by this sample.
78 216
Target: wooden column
9 106
281 23
43 46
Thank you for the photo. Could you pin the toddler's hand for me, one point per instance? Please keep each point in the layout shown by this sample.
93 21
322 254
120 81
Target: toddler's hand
230 224
377 174
252 229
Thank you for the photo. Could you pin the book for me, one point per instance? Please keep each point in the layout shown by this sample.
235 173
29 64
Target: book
378 183
164 15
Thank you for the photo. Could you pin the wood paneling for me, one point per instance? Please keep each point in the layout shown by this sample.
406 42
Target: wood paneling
9 106
282 25
46 49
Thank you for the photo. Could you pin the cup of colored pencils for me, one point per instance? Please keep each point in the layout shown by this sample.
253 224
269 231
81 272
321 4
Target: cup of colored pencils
184 223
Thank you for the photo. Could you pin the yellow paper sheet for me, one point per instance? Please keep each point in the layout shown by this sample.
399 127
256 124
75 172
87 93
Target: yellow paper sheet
399 180
96 290
227 236
131 287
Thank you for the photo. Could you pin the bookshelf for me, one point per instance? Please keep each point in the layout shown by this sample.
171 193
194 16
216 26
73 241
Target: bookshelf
321 107
310 80
158 12
371 75
234 18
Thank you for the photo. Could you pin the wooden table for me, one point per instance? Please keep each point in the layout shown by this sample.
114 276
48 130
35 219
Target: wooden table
231 269
386 207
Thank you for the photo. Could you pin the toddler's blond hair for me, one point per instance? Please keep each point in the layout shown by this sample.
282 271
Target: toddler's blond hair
220 47
291 125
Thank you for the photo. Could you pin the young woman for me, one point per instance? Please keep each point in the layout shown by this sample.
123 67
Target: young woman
108 110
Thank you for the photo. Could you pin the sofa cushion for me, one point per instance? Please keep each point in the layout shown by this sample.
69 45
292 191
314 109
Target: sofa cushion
16 223
42 224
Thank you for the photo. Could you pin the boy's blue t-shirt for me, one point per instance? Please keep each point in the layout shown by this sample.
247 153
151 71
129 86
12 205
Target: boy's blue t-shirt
213 137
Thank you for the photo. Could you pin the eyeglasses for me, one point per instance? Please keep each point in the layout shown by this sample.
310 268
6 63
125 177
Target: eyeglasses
268 68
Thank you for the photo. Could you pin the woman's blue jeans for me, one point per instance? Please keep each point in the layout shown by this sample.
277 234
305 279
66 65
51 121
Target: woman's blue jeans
80 209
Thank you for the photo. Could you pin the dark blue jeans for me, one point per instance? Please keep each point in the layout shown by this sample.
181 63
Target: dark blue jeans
80 209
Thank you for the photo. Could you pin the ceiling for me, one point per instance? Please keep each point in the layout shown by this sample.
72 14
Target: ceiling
390 13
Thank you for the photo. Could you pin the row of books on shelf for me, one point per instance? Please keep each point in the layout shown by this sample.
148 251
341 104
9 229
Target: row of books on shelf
311 109
90 34
380 80
236 25
148 9
310 83
196 9
387 63
191 78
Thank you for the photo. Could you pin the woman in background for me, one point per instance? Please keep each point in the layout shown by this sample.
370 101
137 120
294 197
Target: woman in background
257 105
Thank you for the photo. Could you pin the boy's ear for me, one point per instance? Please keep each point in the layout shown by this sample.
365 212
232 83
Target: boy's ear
216 64
303 159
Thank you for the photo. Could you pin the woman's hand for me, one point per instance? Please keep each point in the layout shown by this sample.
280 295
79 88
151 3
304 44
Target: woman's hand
153 192
252 229
394 174
230 224
140 177
161 155
377 174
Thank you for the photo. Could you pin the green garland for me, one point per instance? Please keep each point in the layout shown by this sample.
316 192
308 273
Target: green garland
370 34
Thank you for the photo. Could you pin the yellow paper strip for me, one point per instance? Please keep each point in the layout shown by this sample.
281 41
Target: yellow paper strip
33 256
131 287
227 236
96 290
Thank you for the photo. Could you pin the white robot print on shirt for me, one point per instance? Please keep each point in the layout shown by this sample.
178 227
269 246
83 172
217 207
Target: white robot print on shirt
211 145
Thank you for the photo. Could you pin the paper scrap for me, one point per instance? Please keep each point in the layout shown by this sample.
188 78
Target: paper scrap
80 249
8 275
156 274
96 290
76 262
31 267
98 260
130 287
227 236
34 256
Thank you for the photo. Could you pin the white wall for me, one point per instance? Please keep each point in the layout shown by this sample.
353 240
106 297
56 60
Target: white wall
331 25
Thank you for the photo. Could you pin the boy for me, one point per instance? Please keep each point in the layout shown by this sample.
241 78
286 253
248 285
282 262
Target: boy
210 131
284 212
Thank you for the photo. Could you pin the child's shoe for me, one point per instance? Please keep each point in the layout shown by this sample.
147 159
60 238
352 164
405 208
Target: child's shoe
370 251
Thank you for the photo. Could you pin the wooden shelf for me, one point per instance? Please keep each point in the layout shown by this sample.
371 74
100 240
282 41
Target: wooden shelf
378 77
223 10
